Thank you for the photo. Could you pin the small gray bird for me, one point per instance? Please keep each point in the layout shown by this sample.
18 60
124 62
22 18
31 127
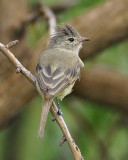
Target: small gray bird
58 67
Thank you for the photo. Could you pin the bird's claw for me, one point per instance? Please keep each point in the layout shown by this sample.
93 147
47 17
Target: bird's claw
58 113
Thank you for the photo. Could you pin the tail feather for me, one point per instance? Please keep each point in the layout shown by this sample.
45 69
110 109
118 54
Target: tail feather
45 109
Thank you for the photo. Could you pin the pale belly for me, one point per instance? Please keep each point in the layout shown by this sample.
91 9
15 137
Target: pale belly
61 95
67 91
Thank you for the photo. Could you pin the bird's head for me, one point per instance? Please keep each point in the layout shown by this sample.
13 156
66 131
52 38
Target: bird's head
65 36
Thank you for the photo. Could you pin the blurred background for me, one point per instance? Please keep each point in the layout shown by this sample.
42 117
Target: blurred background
96 112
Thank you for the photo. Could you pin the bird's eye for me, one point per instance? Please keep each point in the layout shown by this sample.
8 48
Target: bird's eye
71 39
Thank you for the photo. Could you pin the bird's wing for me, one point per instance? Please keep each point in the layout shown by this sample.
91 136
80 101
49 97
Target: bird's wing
52 83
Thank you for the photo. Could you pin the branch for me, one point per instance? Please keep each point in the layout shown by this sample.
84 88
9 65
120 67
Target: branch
19 68
11 44
8 78
16 63
51 20
74 148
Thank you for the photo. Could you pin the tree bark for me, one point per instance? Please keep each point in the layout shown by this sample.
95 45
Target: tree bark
105 25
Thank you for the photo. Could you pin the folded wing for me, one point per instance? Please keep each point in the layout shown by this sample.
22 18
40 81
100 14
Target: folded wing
53 82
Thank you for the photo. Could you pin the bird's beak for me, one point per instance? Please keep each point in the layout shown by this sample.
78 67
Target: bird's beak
82 39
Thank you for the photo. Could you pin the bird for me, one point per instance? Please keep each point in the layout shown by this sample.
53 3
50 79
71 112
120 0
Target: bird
58 68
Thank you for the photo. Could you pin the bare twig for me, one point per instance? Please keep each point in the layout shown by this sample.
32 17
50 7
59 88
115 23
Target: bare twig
62 140
74 148
19 68
16 63
11 44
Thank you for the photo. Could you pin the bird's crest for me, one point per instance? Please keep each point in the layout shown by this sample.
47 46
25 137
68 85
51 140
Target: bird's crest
65 30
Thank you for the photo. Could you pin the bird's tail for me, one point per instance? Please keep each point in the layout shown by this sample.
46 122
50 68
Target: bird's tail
45 109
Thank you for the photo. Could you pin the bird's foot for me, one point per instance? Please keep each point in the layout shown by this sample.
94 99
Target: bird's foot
58 113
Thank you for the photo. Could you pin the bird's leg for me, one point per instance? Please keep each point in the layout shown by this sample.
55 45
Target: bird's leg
58 105
59 113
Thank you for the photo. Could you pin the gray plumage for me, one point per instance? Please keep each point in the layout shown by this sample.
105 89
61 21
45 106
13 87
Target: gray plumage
58 67
55 73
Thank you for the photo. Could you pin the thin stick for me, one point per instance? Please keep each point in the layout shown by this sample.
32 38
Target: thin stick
11 44
16 63
62 140
75 150
51 20
59 119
